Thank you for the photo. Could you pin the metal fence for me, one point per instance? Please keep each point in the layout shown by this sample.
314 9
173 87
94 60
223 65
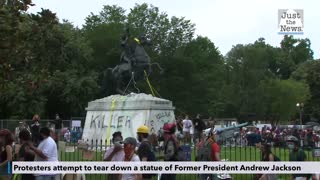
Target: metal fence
94 151
235 149
11 124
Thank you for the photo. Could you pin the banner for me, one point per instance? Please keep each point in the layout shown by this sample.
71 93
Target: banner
165 167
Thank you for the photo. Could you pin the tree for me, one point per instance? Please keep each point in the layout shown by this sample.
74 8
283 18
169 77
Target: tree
195 88
167 34
280 98
103 32
40 57
247 66
309 73
255 70
294 52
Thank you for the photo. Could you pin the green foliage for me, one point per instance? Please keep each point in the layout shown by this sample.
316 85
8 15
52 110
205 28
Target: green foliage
309 73
281 96
38 50
50 67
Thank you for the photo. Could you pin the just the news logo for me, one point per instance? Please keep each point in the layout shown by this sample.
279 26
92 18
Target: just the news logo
290 21
6 169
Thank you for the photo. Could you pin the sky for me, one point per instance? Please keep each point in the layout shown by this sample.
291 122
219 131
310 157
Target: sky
225 22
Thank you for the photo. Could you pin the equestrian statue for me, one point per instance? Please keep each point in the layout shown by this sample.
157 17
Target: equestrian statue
135 64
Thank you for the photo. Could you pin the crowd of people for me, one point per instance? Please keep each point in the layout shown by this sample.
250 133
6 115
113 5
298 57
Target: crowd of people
45 150
277 137
190 130
38 144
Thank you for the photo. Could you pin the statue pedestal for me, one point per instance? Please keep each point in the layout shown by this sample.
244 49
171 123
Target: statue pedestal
125 113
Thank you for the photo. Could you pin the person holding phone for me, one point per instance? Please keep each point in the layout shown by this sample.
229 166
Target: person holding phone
115 153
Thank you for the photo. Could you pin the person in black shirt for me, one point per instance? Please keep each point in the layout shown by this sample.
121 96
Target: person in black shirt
35 130
25 153
58 126
145 152
199 126
179 124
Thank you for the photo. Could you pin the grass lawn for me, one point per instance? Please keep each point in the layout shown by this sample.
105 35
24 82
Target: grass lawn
230 153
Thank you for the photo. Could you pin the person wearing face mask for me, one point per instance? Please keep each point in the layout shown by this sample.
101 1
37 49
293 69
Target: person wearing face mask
46 151
115 153
130 144
296 154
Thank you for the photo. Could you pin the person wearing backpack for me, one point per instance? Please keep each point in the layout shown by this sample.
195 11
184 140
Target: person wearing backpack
145 151
171 148
208 150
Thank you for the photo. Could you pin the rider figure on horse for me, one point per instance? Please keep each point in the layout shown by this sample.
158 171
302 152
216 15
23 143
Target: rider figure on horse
134 62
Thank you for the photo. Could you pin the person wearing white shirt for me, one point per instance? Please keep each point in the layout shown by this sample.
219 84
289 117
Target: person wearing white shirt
46 151
115 153
187 125
130 144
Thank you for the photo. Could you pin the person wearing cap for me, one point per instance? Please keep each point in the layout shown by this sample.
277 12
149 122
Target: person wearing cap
145 148
296 154
209 143
130 144
115 153
145 145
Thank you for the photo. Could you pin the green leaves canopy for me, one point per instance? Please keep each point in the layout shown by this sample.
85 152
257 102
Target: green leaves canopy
50 67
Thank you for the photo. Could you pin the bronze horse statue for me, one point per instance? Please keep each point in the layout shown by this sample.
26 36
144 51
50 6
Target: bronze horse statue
134 62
